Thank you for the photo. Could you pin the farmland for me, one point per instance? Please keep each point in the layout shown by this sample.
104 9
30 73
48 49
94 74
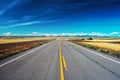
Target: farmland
106 45
11 46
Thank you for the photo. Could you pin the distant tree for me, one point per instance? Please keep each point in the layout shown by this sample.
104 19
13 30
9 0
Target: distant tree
90 38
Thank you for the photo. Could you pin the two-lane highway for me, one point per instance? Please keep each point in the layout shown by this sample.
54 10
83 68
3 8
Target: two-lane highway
60 61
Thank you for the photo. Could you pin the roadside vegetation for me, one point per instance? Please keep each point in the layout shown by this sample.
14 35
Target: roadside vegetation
13 46
105 45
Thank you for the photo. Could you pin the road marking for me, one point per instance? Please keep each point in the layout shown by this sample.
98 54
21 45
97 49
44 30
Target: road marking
104 56
18 57
101 55
62 63
61 68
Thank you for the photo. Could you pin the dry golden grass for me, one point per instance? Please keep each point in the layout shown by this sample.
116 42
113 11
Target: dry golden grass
104 40
106 43
14 40
111 46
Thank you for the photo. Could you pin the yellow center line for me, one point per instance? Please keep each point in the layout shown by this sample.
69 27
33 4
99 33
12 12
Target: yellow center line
61 68
62 63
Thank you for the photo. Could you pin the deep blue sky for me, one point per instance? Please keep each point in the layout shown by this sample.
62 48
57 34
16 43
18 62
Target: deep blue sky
59 16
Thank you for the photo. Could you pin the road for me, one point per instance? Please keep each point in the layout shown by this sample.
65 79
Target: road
60 60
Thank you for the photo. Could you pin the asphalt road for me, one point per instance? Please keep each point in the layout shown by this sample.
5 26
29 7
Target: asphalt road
60 60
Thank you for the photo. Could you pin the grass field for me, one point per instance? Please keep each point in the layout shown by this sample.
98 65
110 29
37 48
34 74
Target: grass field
11 46
106 45
14 40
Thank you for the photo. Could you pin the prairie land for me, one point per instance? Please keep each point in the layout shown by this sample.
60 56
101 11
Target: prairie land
11 46
14 40
106 45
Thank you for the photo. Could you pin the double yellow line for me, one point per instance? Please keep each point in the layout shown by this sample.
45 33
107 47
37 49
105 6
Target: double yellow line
63 65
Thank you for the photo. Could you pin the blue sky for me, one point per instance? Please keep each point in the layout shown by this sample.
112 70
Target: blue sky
21 17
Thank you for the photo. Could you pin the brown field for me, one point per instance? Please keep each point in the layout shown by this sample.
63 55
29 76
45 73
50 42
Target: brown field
107 45
13 46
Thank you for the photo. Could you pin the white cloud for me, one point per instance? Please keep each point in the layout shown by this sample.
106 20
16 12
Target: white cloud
83 34
115 33
97 34
7 34
64 34
35 33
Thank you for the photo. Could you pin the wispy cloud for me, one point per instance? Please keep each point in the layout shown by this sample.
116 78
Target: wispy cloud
8 22
111 1
11 5
20 24
28 17
27 23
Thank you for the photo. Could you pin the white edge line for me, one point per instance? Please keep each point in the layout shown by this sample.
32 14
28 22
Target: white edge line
18 57
103 56
100 55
